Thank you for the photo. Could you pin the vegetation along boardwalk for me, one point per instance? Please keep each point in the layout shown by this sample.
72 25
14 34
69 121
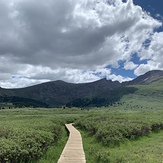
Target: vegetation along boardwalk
73 151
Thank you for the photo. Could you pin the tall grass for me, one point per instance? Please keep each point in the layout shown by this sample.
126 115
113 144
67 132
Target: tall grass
28 134
123 136
109 134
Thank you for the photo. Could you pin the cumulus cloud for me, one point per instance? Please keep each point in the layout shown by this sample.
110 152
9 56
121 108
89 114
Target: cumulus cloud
153 53
130 65
119 78
70 39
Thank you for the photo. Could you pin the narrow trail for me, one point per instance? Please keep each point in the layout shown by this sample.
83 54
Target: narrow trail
73 151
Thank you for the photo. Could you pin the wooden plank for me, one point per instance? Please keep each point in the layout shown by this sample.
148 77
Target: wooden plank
73 151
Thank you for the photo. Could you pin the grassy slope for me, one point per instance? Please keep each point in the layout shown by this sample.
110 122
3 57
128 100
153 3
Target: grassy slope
143 149
149 96
22 126
147 93
54 152
147 149
147 99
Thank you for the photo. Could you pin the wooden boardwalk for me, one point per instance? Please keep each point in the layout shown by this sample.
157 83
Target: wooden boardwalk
73 151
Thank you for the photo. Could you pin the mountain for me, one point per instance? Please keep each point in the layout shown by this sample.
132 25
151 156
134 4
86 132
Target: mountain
147 78
60 93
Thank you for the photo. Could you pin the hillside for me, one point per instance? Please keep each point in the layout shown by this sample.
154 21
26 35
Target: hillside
59 93
147 78
99 93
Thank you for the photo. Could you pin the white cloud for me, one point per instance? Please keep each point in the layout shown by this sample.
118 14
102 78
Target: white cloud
119 78
154 55
130 65
70 39
30 75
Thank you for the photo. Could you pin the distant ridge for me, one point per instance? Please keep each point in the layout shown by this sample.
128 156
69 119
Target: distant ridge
60 93
148 77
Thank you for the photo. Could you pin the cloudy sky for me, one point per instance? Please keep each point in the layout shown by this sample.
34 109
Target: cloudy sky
78 40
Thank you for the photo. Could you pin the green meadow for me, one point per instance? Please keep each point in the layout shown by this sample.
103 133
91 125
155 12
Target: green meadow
128 131
109 134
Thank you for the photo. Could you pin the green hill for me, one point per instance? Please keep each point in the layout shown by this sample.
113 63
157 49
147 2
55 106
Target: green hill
148 96
147 87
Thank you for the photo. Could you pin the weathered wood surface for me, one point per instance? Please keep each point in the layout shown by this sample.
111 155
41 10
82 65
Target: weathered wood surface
73 151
